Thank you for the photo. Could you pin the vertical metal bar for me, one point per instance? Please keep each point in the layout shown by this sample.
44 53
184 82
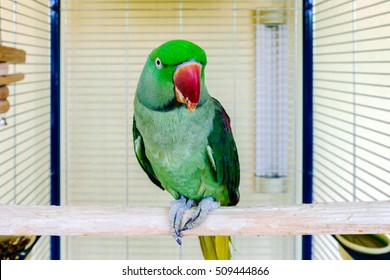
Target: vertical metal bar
307 180
55 132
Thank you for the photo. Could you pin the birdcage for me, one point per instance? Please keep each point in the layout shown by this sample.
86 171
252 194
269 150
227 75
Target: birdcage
305 84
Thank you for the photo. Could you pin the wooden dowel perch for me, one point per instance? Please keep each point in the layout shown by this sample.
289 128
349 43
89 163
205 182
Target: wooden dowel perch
12 55
11 78
332 218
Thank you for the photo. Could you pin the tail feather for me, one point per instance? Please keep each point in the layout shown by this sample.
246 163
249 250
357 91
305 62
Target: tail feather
215 247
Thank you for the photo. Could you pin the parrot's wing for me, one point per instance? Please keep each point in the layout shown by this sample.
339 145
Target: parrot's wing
139 149
222 152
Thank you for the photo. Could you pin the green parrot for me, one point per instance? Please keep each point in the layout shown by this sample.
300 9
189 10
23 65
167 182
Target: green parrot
183 140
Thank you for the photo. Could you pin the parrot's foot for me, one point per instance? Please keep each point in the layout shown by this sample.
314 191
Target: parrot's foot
206 205
178 207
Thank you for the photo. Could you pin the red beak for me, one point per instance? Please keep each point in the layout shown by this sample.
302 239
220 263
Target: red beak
187 84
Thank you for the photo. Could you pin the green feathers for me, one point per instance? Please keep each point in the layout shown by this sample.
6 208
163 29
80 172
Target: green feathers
224 151
174 52
155 88
190 154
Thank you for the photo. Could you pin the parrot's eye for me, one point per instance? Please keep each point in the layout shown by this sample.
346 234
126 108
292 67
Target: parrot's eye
158 63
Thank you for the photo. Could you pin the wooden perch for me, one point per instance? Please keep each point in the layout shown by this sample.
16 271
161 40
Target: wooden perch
12 55
332 218
12 78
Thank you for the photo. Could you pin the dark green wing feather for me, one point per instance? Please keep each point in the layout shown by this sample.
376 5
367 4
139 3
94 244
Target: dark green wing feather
139 149
224 153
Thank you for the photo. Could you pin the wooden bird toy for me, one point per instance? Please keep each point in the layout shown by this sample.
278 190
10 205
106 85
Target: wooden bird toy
8 55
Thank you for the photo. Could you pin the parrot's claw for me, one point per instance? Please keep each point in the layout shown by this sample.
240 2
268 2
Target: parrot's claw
178 207
206 205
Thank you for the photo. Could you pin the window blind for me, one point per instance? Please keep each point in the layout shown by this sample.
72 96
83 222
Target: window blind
24 143
105 45
351 105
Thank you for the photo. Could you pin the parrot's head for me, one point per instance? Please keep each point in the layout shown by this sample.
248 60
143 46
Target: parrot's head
173 76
